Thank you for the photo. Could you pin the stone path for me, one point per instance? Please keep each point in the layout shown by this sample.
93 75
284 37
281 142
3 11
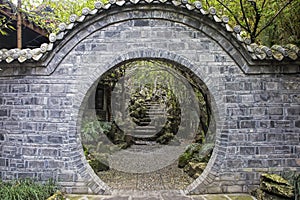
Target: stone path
159 195
146 158
147 167
168 178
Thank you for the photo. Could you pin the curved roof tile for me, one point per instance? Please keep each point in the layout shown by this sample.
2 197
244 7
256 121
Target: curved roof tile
257 52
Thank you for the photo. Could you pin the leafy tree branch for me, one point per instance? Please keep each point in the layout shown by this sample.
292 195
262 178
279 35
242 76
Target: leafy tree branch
274 17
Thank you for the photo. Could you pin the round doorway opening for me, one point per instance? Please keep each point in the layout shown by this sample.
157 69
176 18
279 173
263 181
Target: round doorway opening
148 125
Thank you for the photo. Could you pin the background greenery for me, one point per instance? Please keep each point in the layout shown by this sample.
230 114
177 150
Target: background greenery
264 21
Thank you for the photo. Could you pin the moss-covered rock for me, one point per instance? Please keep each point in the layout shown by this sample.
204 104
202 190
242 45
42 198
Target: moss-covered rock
205 152
194 170
274 187
197 153
194 148
189 154
274 178
262 195
174 142
184 159
118 137
200 137
277 189
165 138
99 164
275 184
195 158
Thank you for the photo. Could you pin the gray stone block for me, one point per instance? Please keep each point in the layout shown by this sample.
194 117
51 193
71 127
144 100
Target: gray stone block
295 110
3 113
247 150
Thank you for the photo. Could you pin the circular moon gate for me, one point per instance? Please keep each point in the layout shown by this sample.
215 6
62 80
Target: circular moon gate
146 113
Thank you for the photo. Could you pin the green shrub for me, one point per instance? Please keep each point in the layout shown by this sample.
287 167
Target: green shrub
197 153
166 138
184 159
26 189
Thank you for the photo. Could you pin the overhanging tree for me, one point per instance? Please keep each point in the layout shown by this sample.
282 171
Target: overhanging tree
263 21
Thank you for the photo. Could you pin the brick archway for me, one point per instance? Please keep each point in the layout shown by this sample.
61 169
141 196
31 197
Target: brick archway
211 170
108 31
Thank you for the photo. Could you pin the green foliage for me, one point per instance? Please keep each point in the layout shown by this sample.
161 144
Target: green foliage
137 109
294 179
95 135
197 153
264 21
97 158
189 154
5 23
285 28
49 13
99 162
27 189
165 138
91 130
184 159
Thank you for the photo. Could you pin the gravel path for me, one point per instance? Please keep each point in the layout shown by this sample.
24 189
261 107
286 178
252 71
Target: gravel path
168 178
145 158
147 167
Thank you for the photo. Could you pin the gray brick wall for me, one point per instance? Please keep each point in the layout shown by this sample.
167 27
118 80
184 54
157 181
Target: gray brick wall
257 116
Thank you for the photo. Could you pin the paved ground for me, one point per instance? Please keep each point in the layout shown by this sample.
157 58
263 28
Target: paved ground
168 178
146 168
164 183
163 195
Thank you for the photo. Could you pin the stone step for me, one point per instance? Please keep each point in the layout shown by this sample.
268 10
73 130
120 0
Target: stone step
156 110
143 136
154 105
145 128
156 114
141 142
144 132
145 120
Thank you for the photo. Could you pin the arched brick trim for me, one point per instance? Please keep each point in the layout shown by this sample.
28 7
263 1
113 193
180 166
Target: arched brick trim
211 171
92 181
174 14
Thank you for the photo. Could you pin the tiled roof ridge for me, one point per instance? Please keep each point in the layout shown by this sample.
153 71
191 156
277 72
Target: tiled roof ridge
257 52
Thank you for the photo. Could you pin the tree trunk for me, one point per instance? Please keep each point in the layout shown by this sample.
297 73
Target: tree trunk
19 26
108 103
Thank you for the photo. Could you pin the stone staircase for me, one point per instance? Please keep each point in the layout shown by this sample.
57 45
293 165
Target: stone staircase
145 134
